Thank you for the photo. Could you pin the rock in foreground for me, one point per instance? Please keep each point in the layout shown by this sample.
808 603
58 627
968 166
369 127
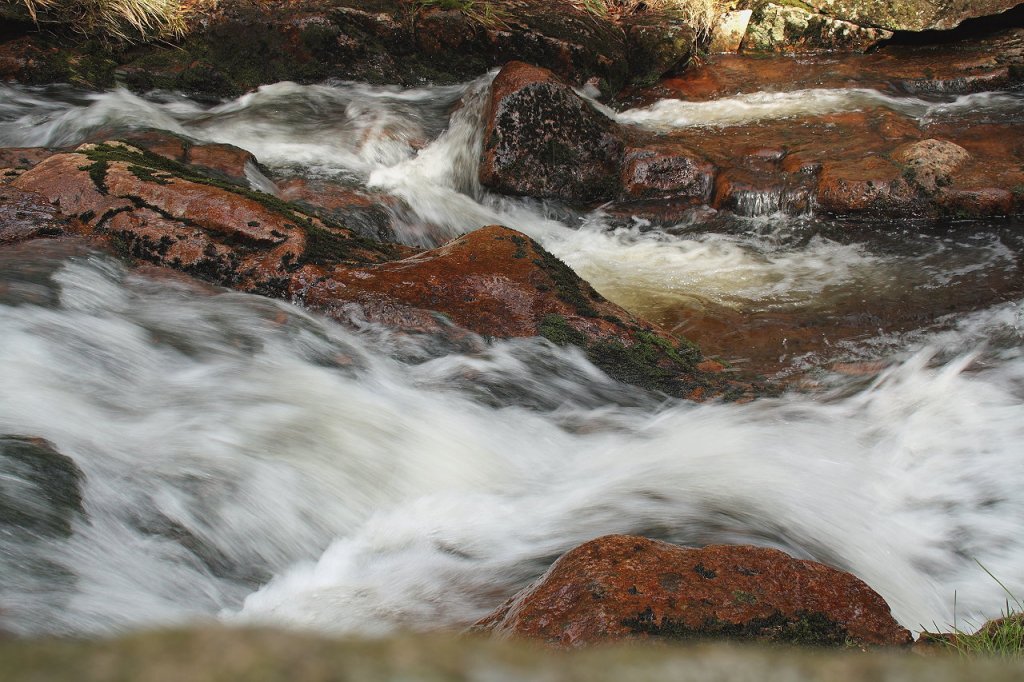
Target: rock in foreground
625 587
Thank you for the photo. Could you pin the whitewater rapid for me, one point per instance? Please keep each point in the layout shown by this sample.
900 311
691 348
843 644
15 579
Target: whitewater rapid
374 482
249 462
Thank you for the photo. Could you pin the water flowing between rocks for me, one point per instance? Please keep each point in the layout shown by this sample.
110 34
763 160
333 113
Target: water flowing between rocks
244 460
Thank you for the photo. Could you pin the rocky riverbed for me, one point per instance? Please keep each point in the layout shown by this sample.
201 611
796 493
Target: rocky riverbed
293 350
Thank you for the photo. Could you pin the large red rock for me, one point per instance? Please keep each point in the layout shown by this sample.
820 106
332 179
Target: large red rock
622 587
160 211
498 282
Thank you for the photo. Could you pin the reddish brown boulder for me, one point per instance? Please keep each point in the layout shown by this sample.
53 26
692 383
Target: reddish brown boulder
214 159
870 186
625 587
16 160
492 281
499 282
666 170
150 208
544 140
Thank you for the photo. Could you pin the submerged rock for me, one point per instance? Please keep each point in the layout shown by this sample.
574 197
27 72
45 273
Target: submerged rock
40 489
621 587
26 215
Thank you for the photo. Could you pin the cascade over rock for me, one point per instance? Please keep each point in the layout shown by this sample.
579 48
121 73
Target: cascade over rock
495 281
622 587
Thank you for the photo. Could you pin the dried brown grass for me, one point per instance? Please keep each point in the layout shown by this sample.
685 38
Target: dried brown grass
123 20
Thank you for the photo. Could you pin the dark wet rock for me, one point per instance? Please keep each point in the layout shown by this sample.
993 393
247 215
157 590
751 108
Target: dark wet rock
27 215
656 43
40 489
621 587
240 45
911 15
544 140
785 28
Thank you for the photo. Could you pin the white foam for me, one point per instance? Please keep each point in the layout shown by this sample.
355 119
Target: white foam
668 114
382 494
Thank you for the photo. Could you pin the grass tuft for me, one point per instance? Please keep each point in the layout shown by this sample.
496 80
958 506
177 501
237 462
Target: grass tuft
700 15
1000 638
483 12
119 20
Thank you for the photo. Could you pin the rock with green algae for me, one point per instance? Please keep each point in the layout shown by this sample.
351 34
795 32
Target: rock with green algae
785 28
910 15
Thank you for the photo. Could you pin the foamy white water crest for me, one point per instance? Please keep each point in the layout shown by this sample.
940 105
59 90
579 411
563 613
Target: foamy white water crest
759 106
227 440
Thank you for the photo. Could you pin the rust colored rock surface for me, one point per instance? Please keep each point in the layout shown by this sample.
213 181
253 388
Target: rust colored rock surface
544 140
667 171
156 210
216 160
26 215
870 185
492 281
15 160
625 587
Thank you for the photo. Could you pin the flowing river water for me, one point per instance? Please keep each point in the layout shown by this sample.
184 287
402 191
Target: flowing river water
247 461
